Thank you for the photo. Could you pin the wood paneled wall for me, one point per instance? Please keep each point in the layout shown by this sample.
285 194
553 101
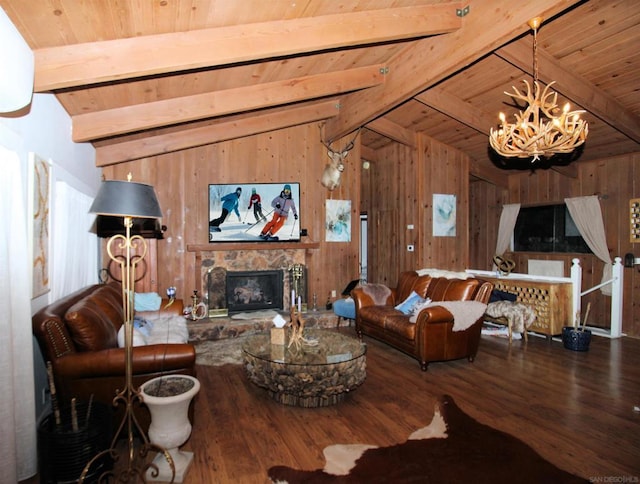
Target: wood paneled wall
615 180
397 192
294 154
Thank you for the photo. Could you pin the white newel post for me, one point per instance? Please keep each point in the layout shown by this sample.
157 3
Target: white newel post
576 295
616 298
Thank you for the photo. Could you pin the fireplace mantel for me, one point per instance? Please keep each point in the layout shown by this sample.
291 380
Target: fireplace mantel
252 246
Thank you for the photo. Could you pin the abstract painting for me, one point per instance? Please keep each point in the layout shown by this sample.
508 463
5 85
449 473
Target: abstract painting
338 221
40 198
444 215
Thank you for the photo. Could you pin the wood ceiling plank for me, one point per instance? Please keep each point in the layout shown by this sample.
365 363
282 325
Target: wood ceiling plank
112 122
231 128
96 62
573 86
428 61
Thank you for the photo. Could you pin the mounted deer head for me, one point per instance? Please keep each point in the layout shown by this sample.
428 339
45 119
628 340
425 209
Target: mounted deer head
333 169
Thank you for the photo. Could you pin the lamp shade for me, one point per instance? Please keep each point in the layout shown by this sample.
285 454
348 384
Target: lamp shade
126 199
16 59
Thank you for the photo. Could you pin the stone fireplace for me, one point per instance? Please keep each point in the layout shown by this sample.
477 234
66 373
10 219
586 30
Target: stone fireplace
216 264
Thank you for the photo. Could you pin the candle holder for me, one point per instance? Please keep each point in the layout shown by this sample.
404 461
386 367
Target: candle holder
298 286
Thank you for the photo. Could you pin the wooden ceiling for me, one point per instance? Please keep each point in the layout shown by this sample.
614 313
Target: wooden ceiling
145 77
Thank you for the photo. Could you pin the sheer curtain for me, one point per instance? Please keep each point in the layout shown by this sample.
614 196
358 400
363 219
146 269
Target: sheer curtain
505 228
75 247
17 399
586 213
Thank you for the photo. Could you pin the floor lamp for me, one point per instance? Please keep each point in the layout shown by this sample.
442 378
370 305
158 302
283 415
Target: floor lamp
128 200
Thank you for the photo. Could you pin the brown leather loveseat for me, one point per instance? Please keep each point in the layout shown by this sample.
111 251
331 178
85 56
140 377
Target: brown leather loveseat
432 336
78 335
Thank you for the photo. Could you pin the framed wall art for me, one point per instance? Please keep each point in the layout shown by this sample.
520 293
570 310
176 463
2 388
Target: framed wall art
444 215
338 221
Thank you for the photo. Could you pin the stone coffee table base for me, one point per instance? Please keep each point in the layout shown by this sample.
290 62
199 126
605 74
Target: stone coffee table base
307 378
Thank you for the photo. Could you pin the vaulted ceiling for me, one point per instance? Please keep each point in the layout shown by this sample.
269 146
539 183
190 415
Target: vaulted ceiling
145 77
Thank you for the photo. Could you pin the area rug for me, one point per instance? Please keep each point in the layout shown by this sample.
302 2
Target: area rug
453 448
226 351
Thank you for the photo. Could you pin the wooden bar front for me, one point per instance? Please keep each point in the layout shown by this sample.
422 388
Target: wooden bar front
550 300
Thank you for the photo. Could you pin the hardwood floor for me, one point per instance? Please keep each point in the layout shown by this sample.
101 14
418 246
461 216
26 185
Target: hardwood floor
575 409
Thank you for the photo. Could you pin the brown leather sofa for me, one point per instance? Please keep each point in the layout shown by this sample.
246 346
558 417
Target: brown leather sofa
431 337
78 335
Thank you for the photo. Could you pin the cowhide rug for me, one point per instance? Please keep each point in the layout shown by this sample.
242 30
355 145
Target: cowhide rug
454 448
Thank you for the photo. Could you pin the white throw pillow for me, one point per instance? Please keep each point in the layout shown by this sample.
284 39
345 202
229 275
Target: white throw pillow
138 337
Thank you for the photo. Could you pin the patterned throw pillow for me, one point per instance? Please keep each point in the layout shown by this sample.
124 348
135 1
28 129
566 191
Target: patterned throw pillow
406 306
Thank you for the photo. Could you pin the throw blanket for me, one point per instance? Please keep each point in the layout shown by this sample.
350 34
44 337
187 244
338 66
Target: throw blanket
519 315
465 313
445 274
378 292
167 328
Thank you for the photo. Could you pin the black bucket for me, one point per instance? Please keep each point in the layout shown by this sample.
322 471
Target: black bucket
575 339
64 452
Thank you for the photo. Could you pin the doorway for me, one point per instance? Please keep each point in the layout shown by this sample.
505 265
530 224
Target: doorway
362 258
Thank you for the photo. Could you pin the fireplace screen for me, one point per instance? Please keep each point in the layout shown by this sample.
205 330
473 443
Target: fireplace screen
254 290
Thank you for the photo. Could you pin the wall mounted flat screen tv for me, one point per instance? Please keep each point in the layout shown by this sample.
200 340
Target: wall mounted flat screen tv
254 212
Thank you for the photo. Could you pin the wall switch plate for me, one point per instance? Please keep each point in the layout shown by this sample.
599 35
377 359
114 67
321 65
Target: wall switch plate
410 248
333 293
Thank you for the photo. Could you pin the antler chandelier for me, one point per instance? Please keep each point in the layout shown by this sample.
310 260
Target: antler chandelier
542 129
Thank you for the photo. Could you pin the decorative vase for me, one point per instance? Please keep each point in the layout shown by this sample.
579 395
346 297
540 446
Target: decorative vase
168 398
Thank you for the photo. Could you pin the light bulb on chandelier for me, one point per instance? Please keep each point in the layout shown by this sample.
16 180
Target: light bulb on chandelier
541 129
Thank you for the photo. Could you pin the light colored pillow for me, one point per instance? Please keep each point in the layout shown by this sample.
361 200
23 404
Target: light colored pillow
406 306
138 337
147 301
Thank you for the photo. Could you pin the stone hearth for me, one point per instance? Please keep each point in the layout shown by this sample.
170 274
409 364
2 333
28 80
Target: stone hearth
210 329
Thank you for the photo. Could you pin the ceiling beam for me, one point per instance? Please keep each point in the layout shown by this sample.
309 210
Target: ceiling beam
117 121
456 108
428 61
367 153
230 128
393 131
488 172
573 87
110 60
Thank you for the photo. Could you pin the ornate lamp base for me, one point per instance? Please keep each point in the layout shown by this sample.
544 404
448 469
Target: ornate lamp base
181 460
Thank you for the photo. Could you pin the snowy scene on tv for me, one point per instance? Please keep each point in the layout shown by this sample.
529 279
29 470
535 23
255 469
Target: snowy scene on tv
256 212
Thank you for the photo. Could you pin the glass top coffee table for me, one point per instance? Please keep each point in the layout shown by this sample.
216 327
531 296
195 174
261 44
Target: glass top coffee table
309 375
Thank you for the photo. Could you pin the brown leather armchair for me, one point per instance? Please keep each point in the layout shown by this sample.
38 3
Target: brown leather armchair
431 337
78 335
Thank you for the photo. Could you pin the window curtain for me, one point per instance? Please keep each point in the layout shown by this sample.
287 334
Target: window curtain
508 219
76 247
586 213
17 400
